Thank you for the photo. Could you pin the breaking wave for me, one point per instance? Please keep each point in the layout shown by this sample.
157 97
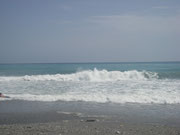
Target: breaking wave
89 75
99 86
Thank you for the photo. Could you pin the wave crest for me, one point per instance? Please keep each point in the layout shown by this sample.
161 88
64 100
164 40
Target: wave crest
89 75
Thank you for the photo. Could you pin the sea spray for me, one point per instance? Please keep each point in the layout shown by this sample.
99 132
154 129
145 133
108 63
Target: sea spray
101 86
89 75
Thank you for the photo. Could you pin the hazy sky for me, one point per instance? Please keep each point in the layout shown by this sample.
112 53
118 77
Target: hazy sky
89 30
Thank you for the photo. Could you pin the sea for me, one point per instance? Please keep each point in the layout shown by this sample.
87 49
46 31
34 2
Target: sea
120 83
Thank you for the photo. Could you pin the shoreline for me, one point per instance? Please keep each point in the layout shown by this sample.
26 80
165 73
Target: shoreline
81 118
72 124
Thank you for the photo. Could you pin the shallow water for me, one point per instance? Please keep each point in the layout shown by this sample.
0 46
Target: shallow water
15 111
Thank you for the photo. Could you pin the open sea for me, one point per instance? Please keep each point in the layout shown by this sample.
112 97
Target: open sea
142 83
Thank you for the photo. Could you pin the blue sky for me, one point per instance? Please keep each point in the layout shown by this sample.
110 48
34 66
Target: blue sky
33 31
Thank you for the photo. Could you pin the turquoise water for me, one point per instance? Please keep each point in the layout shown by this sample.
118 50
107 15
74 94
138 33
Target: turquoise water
145 83
164 69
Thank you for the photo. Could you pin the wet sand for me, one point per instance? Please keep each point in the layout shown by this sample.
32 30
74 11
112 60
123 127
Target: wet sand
33 118
87 126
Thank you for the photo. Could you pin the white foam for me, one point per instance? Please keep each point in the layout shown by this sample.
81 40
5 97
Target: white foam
88 75
141 97
93 86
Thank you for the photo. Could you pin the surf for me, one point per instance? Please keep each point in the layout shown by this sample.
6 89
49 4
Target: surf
88 75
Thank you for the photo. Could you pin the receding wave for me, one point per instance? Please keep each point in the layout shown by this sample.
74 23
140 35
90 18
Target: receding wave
131 98
89 75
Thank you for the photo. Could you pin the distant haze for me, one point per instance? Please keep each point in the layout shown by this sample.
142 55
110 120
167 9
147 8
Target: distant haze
45 31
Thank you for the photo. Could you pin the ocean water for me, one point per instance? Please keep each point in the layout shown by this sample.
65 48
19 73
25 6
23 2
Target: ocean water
142 83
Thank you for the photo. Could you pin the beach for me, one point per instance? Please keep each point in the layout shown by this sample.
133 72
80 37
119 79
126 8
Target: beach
90 98
60 118
76 127
89 67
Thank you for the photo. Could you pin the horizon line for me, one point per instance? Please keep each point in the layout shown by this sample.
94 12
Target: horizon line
90 62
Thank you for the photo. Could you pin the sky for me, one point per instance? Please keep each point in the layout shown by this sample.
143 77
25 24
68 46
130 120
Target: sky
60 31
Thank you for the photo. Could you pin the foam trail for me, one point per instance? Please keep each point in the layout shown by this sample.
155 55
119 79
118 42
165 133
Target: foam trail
99 86
88 75
101 98
125 91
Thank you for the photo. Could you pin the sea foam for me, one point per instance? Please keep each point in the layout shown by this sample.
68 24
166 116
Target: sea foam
143 98
89 75
99 86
